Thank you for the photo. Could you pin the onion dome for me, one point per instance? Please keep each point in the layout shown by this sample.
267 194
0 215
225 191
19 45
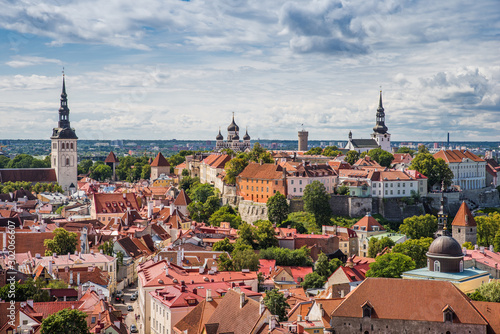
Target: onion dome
235 137
219 136
246 136
445 246
233 126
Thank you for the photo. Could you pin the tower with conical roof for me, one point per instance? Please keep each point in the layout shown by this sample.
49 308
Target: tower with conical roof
64 157
464 227
159 166
380 134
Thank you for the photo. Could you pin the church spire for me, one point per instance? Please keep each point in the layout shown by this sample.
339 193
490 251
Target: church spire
380 119
63 109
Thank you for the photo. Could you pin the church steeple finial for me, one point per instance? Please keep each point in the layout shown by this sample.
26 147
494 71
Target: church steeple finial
380 119
380 107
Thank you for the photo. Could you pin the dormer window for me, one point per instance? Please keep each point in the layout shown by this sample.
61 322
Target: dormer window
448 314
437 266
367 309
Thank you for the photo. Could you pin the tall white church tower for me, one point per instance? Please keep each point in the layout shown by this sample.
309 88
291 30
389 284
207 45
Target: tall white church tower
64 152
380 134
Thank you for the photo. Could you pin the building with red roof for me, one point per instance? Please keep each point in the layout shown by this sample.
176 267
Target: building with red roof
159 166
106 206
365 228
464 227
469 170
257 182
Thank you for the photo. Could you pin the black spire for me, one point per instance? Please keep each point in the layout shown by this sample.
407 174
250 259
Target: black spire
219 136
246 136
380 121
64 129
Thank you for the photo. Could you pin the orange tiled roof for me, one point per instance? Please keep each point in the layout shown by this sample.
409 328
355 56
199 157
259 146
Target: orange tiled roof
262 172
111 158
368 222
182 199
160 161
114 203
464 217
457 156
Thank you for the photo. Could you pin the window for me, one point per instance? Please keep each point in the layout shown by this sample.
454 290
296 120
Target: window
291 182
294 190
67 161
391 192
71 145
437 266
461 265
25 322
300 181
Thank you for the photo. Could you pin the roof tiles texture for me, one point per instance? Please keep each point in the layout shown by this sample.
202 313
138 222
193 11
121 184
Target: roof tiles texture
464 217
160 161
454 156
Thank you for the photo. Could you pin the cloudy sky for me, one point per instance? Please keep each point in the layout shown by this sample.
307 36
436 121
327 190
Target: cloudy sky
163 69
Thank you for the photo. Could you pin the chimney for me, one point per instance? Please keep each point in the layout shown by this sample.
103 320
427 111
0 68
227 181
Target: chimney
242 299
262 306
341 293
208 295
50 267
272 323
69 256
78 278
195 291
492 249
95 240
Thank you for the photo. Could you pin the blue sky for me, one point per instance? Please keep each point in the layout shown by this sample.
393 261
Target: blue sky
159 69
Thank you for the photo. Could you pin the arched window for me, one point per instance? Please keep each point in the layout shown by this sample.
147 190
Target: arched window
67 161
62 146
461 265
429 264
437 266
71 145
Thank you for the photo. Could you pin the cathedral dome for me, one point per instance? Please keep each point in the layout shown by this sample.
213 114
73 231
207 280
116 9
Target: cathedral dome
219 136
236 137
246 136
445 246
233 126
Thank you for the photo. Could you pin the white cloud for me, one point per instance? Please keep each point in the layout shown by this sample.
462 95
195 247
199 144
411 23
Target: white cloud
24 61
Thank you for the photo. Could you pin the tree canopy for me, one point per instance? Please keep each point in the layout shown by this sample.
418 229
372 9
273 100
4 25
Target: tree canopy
317 202
489 292
225 214
62 243
487 228
436 170
275 302
417 227
416 249
303 221
233 168
277 208
352 157
323 268
66 321
24 161
390 265
287 257
375 245
383 158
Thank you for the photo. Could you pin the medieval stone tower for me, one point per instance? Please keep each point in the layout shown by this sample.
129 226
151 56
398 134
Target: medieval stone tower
64 157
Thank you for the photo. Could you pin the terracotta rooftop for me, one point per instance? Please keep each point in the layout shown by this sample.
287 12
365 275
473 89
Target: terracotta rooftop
195 320
160 161
28 174
464 217
367 224
457 156
262 172
182 199
111 158
114 203
415 300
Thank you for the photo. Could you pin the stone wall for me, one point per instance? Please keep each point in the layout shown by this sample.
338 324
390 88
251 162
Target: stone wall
252 211
359 206
394 209
339 205
229 195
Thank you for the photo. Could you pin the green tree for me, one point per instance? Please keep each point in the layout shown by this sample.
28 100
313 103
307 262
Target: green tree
4 161
66 321
275 302
100 172
146 172
185 172
302 220
28 290
417 227
496 242
225 214
489 292
224 263
200 192
423 149
84 166
265 234
106 247
404 149
176 159
331 151
315 151
383 158
245 258
416 249
287 257
375 245
277 208
313 281
246 235
223 246
233 168
437 171
390 265
343 190
322 266
351 157
317 202
487 228
258 153
62 243
468 245
187 182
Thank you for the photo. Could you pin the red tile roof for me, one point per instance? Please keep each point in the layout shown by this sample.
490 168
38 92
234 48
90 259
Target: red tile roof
160 161
111 158
416 300
28 174
457 156
356 273
114 203
262 172
464 217
368 222
182 199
